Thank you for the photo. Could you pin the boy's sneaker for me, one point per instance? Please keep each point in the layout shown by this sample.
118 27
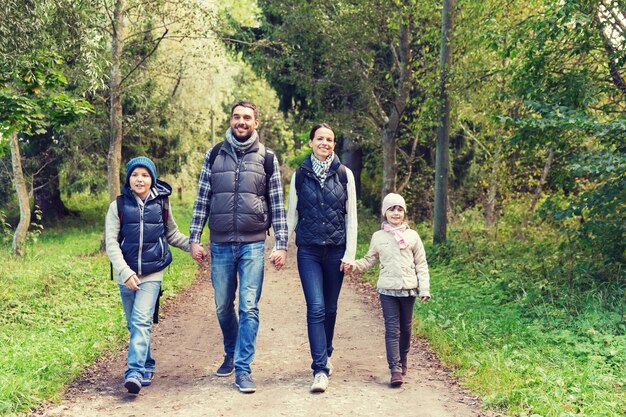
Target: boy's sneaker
320 383
146 380
244 382
329 365
226 368
132 384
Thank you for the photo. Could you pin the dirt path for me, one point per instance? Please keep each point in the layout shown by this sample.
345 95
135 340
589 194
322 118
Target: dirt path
188 347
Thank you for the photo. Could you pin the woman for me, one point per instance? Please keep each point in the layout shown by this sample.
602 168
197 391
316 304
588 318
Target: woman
322 212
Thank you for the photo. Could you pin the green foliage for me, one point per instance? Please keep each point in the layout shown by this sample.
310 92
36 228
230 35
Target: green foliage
60 310
31 98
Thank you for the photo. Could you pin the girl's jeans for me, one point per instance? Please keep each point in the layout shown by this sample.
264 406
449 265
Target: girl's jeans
398 314
139 308
321 282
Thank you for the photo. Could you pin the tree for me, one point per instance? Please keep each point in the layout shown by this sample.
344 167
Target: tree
443 135
31 100
350 63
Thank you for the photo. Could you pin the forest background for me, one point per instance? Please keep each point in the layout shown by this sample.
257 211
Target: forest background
527 99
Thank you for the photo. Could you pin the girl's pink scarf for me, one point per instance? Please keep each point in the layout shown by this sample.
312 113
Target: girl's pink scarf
396 231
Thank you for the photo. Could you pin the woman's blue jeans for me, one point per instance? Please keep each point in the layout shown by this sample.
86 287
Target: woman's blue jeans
139 309
227 261
321 282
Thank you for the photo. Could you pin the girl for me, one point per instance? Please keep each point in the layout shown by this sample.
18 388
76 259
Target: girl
403 277
137 245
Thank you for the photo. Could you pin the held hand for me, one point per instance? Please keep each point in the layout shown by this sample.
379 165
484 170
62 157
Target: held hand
132 283
197 252
277 258
346 268
424 299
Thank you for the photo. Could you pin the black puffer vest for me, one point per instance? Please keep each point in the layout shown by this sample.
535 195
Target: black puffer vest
321 211
144 244
239 210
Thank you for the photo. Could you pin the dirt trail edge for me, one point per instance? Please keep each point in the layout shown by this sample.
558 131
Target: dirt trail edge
188 347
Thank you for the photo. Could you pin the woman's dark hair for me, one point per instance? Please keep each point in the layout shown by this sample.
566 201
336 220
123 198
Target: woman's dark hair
319 126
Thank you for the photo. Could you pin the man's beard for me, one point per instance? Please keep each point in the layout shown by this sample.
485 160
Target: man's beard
242 138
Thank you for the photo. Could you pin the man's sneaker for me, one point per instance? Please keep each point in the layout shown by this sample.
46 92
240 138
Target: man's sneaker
226 368
329 365
132 384
146 380
396 379
320 383
244 382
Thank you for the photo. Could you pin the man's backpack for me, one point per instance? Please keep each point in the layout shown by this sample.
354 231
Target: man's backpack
268 167
165 211
341 173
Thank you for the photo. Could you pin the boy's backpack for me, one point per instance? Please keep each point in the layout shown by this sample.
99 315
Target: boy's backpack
165 211
268 167
341 173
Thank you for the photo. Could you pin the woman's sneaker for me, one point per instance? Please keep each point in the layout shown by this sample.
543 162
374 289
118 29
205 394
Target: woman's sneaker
330 367
320 383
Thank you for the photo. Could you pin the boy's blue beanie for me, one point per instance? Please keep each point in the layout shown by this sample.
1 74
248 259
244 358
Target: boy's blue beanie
141 161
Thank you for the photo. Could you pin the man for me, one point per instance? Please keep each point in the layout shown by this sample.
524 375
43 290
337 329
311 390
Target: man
232 195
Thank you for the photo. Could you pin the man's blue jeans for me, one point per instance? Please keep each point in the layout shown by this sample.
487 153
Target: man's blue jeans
321 282
139 308
227 261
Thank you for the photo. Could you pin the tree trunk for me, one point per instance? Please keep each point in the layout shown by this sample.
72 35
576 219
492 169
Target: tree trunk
114 157
353 158
539 188
390 131
490 204
19 238
46 187
443 132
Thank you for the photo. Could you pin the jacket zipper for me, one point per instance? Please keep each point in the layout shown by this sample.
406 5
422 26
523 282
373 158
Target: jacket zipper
140 253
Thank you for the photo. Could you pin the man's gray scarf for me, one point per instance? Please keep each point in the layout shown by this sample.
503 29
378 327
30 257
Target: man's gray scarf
240 146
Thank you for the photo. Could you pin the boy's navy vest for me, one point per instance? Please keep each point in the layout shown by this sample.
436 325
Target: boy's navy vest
144 244
321 211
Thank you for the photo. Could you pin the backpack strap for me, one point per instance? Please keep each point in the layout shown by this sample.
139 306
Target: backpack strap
214 151
119 201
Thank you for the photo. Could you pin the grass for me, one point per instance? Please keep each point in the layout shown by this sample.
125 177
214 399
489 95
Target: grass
531 327
60 309
527 330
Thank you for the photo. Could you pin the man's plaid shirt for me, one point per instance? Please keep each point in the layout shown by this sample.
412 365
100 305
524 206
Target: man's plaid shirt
202 206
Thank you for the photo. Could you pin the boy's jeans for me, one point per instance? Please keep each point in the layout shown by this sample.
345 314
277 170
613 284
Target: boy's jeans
227 261
139 308
321 282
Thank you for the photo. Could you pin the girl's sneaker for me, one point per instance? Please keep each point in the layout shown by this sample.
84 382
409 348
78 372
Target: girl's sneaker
396 379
